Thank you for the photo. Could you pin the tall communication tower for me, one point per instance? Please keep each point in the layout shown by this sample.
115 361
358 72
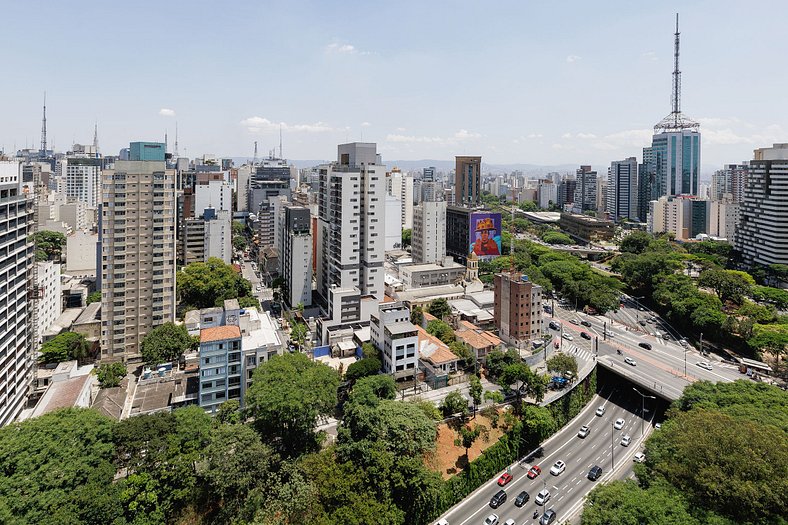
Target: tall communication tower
175 153
676 121
254 160
43 151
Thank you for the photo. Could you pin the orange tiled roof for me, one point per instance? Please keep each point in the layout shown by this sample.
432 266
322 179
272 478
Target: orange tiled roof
475 336
219 333
442 353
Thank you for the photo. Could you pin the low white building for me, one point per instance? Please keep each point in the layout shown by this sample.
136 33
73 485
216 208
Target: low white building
49 305
81 253
397 339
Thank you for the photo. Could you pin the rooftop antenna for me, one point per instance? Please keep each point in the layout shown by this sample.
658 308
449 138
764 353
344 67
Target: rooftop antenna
44 129
254 160
280 142
676 121
95 139
165 140
175 153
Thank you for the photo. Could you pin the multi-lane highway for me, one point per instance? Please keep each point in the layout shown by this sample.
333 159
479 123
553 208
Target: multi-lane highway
602 447
666 368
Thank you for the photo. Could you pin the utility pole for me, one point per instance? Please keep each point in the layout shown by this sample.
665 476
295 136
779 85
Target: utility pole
604 331
642 408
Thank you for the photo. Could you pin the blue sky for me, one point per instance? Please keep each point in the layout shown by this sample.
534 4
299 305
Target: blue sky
515 82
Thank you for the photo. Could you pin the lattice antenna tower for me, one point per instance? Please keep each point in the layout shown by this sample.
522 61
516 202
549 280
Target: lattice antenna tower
44 128
676 121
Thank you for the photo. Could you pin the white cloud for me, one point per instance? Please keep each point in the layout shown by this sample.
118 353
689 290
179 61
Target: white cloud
534 136
571 59
339 48
365 124
651 56
465 134
412 138
586 136
460 136
262 125
165 112
566 136
401 129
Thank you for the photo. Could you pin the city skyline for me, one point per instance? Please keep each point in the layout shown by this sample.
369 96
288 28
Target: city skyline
300 72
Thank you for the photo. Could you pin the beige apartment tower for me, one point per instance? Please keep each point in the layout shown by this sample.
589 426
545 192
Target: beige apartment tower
468 181
137 239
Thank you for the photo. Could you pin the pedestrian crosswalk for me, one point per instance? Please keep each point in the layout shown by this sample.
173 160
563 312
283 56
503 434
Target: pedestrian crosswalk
579 353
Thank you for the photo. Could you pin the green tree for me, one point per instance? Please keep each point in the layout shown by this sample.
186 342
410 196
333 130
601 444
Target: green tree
469 435
165 343
462 351
363 368
624 503
562 363
369 351
239 243
498 360
287 396
729 285
210 283
475 389
636 242
238 228
94 297
111 374
538 424
775 296
693 452
64 347
556 237
298 333
770 338
407 235
429 409
523 381
441 330
49 245
529 206
402 428
440 308
229 412
51 462
417 315
373 387
454 404
494 396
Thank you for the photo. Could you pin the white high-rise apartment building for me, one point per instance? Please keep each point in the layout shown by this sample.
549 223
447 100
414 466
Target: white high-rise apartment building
762 234
216 194
351 226
622 189
723 219
218 235
137 239
401 185
296 255
428 241
17 256
82 178
49 304
671 215
546 193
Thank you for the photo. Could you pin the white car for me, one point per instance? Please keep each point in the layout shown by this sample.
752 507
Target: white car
630 361
600 411
567 336
492 519
442 521
543 497
619 424
639 457
704 364
510 521
574 321
558 468
626 440
657 426
583 432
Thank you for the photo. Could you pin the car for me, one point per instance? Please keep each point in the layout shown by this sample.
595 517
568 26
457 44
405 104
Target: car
657 426
683 342
521 499
594 473
543 497
534 471
649 321
585 323
642 322
639 457
600 411
567 336
498 500
548 517
619 424
505 479
510 521
653 319
584 335
442 521
574 321
704 364
583 432
558 468
647 346
626 440
630 361
666 337
492 519
641 309
554 326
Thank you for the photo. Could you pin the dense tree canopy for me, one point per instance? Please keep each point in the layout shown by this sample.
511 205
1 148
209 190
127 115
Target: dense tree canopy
636 242
64 347
556 237
625 503
729 285
111 374
441 330
210 283
440 308
363 368
561 363
287 395
49 245
165 343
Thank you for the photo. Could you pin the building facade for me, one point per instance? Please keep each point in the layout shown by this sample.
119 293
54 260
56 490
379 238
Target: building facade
428 240
585 189
723 219
137 241
468 181
518 308
622 189
17 287
83 179
762 235
397 339
296 256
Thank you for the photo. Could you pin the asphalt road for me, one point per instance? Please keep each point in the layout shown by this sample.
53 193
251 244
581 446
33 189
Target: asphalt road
666 369
567 490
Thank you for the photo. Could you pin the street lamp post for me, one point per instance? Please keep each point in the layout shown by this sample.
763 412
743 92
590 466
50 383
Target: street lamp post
642 408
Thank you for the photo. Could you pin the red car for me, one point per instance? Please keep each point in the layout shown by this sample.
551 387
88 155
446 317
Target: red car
504 479
535 471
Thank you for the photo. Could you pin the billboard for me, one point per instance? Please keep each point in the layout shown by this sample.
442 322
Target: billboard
485 235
